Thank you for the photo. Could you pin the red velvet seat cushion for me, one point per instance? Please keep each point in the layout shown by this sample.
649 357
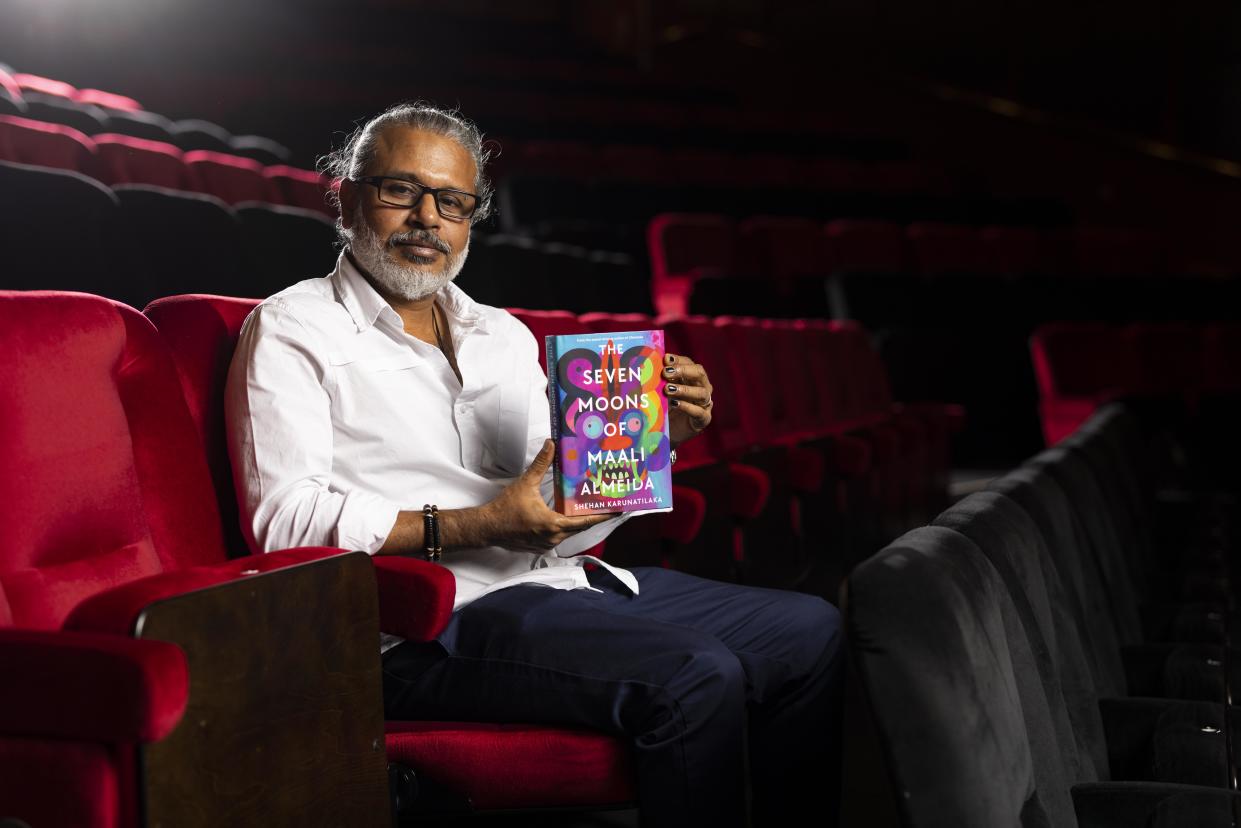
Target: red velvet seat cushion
516 766
55 782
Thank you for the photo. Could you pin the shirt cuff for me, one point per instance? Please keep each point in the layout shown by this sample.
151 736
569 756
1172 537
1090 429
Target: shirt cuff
365 522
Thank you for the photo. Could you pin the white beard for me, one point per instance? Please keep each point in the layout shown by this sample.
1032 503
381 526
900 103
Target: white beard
404 282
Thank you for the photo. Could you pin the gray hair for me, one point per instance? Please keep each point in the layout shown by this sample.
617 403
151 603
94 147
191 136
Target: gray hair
352 158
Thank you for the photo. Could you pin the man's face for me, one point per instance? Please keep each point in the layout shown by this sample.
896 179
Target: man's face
410 252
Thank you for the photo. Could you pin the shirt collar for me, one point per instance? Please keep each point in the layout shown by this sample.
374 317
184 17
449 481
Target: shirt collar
365 305
363 302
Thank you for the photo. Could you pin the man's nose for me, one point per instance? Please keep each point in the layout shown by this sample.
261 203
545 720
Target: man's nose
424 211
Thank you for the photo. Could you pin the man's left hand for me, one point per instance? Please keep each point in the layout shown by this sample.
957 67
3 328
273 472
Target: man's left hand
689 397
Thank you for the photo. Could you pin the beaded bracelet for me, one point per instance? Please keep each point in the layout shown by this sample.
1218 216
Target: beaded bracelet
431 532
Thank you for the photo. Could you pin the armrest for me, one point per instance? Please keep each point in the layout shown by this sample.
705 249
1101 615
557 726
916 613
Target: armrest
90 687
117 610
415 596
1151 805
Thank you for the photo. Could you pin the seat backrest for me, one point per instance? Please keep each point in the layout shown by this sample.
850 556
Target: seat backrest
731 431
681 243
264 150
44 86
1082 359
864 246
230 178
1097 510
938 248
950 677
201 332
1015 251
781 246
28 141
105 478
161 264
1170 357
87 118
283 245
1045 502
1011 541
197 134
37 207
300 188
123 159
141 124
108 100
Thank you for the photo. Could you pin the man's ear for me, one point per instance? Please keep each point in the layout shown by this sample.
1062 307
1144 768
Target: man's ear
348 202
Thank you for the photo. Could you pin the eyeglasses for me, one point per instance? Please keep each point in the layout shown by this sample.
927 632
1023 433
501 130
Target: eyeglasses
454 205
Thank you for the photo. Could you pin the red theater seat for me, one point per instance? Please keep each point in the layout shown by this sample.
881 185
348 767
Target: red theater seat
1078 366
939 248
230 178
47 145
44 86
1012 251
864 246
685 247
111 533
1116 251
121 159
108 100
493 766
300 188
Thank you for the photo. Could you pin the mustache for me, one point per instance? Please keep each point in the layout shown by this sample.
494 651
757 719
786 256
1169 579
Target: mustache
423 238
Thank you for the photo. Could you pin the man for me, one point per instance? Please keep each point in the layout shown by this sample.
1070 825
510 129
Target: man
356 398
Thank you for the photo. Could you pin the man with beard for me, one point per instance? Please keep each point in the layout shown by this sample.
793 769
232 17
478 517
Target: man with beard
356 397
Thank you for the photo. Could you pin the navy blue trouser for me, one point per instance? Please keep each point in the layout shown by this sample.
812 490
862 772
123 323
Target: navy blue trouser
710 682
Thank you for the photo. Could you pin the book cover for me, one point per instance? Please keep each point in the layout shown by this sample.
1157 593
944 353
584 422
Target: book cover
610 422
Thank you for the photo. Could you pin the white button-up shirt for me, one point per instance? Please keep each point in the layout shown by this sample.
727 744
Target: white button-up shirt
338 420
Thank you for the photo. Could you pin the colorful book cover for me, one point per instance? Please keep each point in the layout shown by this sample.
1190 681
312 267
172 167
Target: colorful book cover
610 422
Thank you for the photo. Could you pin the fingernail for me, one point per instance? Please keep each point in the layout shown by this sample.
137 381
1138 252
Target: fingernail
674 403
668 358
670 371
671 389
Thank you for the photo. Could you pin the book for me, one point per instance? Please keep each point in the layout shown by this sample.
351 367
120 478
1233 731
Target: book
609 419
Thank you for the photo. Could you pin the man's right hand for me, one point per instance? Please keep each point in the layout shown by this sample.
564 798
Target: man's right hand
519 516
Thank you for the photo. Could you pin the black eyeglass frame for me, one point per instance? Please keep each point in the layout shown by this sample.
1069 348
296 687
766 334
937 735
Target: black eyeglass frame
377 181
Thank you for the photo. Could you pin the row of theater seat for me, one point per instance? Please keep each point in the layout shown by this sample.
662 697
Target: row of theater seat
1055 650
123 159
698 165
559 207
135 242
952 306
94 112
118 481
1082 365
808 460
147 241
787 250
759 496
